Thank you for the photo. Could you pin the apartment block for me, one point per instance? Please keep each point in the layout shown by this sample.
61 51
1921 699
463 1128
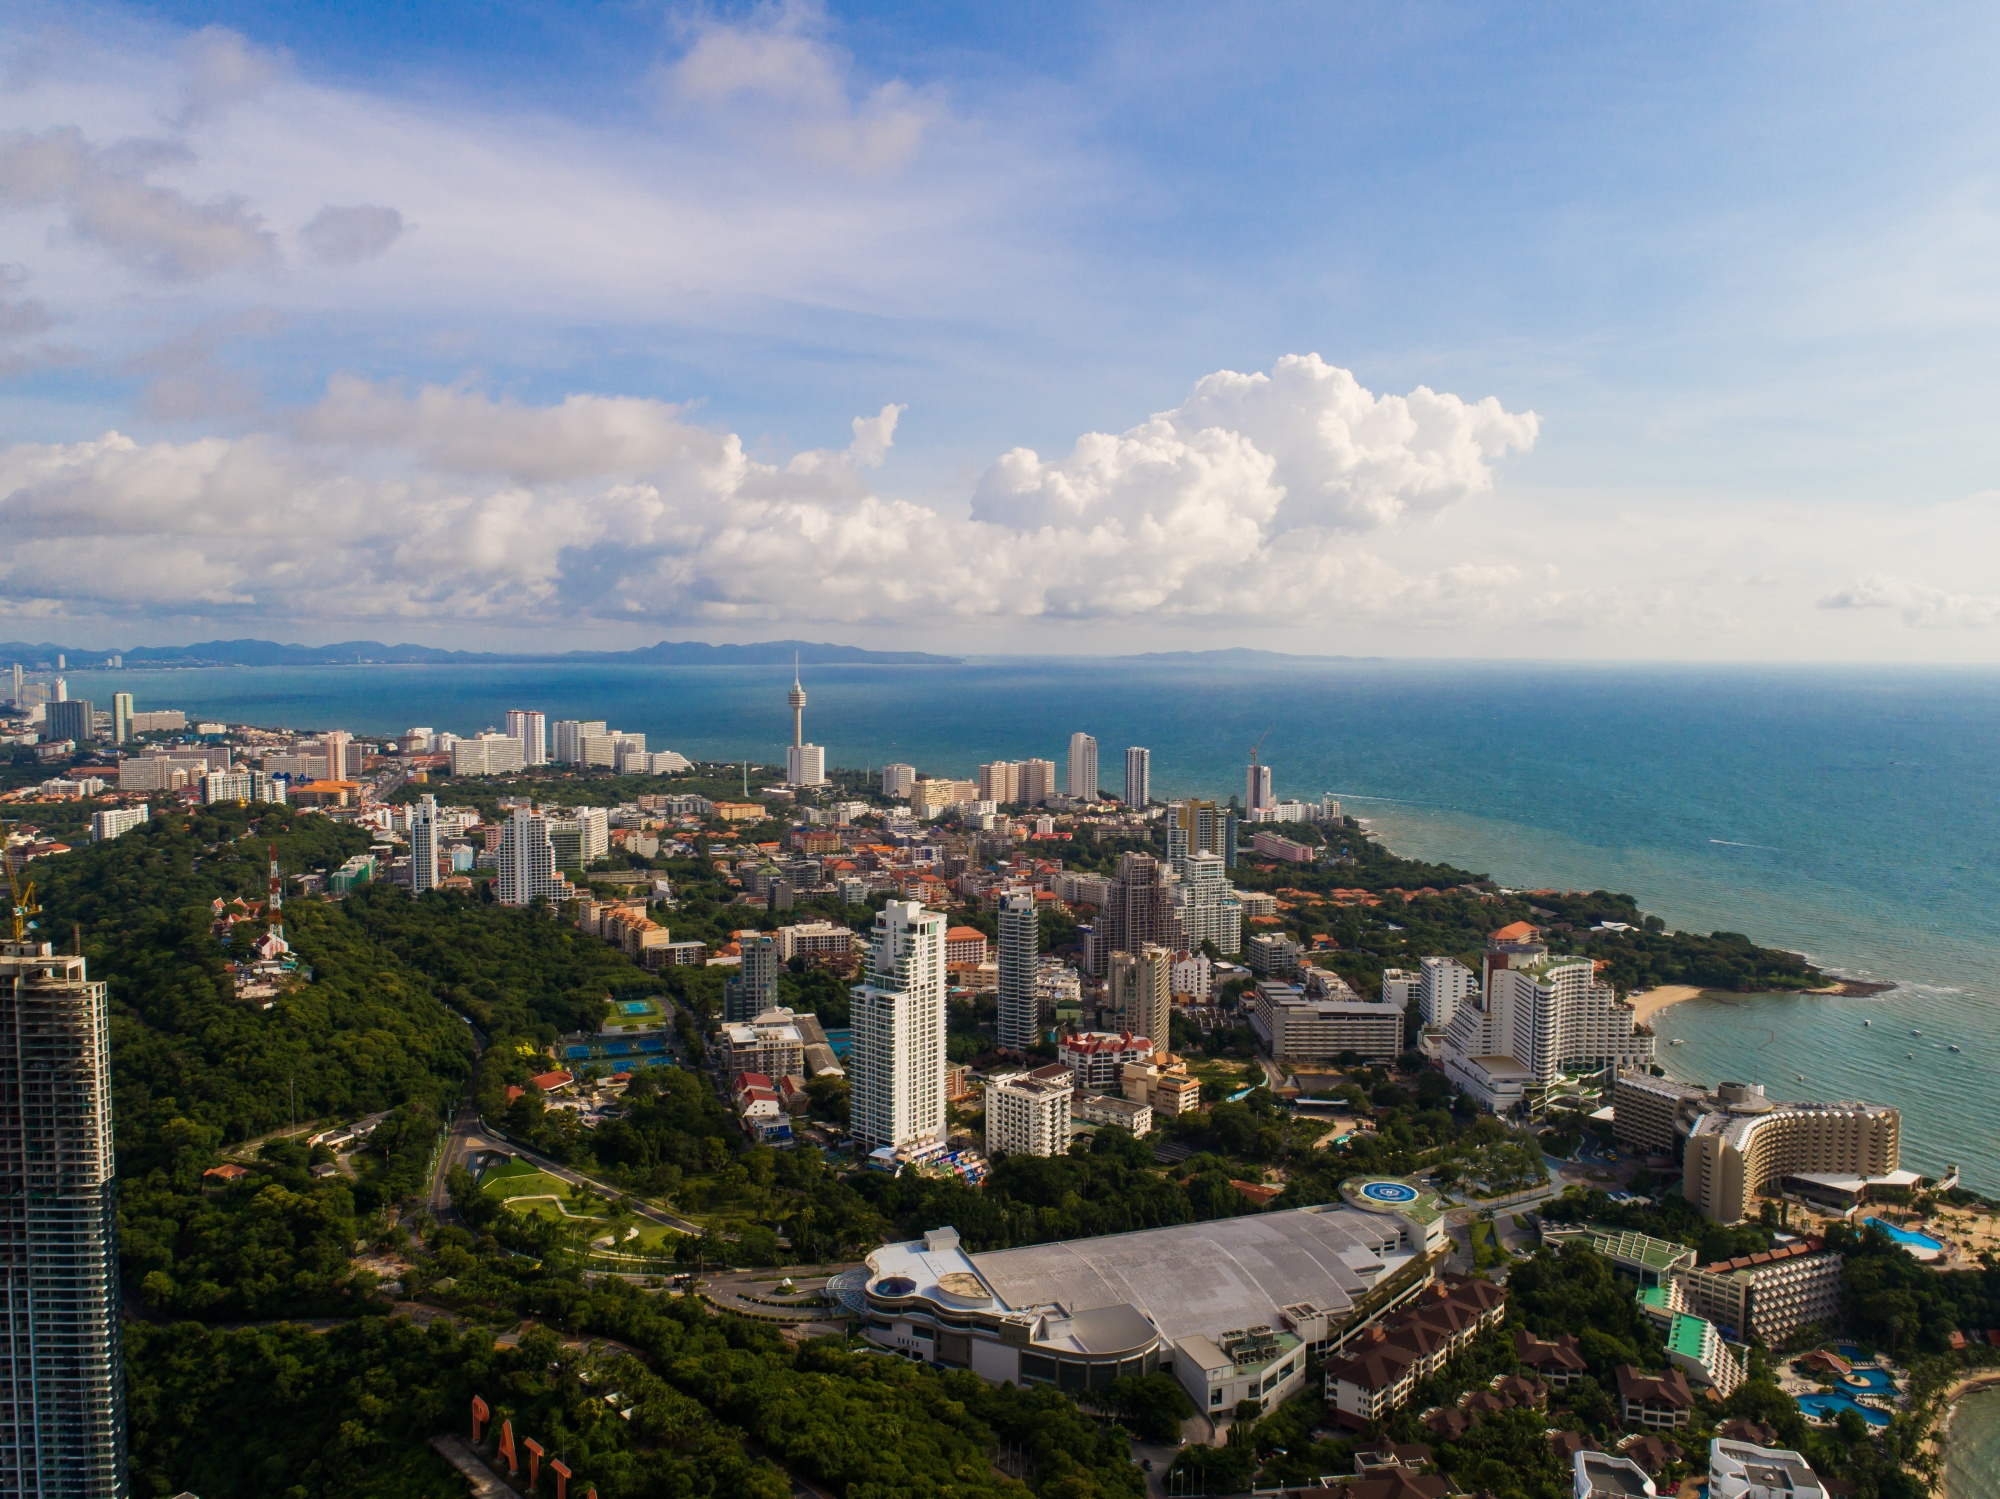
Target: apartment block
1297 1025
1028 1114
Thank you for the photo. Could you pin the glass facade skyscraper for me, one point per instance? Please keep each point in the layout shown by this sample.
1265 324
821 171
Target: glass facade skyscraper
62 1380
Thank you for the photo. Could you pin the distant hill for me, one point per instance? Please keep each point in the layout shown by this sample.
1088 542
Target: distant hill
368 652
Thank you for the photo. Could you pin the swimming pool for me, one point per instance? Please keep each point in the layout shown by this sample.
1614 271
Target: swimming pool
1867 1381
1905 1237
1825 1407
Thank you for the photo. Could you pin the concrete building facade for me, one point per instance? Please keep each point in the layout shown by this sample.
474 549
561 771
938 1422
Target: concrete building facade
1028 1115
1737 1153
896 1063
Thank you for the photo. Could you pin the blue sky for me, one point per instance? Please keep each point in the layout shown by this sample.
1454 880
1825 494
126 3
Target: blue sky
1738 264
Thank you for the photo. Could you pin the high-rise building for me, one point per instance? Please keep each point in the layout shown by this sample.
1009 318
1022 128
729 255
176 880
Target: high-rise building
121 717
1206 906
1000 782
570 734
1443 985
1037 781
424 845
805 764
1196 827
1138 911
61 688
19 686
489 754
898 780
1257 786
1018 1024
1083 767
62 1377
338 762
754 989
580 836
1138 777
531 729
69 718
527 861
896 1063
1142 999
1536 1017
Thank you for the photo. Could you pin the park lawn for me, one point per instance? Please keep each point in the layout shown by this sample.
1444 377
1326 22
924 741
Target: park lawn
529 1183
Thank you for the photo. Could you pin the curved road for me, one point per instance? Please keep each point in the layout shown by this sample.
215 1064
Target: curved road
469 1136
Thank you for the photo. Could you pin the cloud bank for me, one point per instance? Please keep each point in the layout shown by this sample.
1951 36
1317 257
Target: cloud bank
1249 501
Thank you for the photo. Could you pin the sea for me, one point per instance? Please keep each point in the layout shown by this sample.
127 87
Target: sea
1850 813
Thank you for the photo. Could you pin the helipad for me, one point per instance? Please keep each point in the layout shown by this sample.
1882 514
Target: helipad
1389 1194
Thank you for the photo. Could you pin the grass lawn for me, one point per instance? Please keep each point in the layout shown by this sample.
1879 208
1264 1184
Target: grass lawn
523 1183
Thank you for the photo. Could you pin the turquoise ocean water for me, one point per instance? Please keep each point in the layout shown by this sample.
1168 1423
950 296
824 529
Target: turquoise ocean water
1853 814
1972 1448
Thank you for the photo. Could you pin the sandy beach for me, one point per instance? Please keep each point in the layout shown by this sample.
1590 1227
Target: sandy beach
1645 1006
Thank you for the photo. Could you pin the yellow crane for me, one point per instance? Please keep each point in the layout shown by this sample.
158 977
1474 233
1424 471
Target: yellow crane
21 899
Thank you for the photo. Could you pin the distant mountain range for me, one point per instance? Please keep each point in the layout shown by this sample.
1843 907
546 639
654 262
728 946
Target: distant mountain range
42 657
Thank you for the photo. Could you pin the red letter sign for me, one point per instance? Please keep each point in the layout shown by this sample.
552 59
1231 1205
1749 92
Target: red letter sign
534 1460
479 1416
506 1449
562 1477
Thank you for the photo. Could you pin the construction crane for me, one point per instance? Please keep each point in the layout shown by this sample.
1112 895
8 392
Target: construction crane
21 900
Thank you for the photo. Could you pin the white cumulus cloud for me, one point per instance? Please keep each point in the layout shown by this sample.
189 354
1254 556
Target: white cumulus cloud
1923 606
452 505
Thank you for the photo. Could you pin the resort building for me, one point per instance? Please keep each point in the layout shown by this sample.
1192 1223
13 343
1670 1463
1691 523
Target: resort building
1557 1362
1744 1470
1230 1307
1396 1355
1660 1401
1736 1143
1751 1144
1767 1296
1599 1475
1695 1347
1650 1261
1537 1018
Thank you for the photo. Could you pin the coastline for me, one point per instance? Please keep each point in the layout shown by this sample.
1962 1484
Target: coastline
1938 1438
1649 1002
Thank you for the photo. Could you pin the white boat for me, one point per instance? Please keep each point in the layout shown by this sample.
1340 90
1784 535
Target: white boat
1867 1022
1952 1047
1677 1041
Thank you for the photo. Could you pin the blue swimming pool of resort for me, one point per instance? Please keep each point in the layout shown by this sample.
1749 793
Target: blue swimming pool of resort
1904 1236
1872 1382
1826 1407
